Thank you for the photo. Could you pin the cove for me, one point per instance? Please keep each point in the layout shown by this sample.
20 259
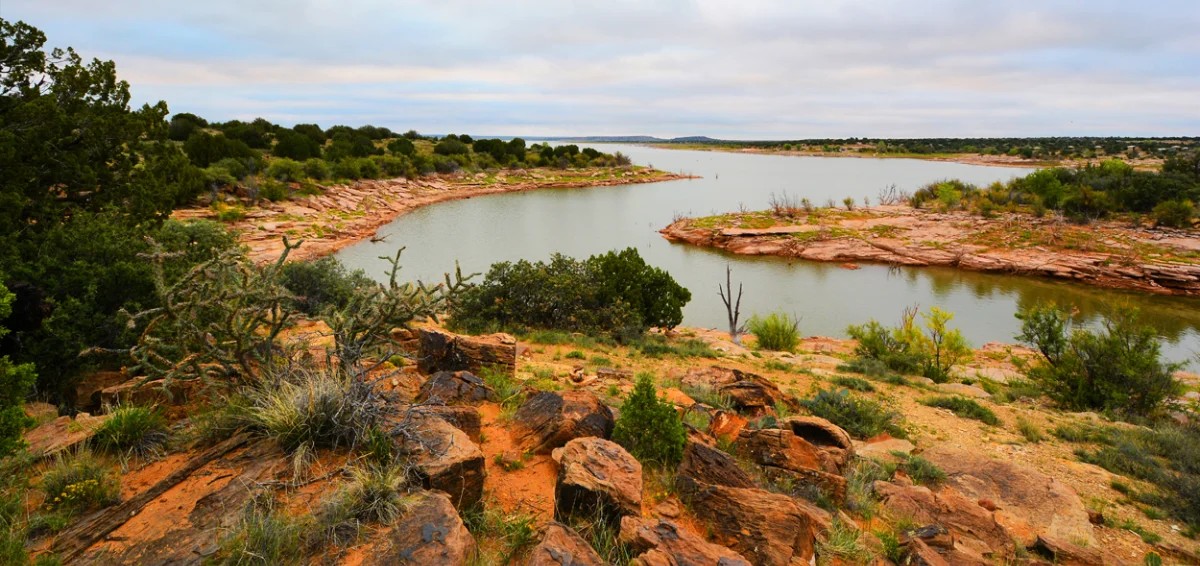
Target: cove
581 222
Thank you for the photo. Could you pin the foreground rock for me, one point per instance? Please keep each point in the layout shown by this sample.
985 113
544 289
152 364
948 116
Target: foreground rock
463 417
439 350
708 465
561 546
452 387
662 543
768 529
973 530
597 478
430 533
1028 502
443 457
748 392
550 419
783 455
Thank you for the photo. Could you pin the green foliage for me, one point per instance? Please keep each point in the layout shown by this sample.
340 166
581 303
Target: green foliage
1030 431
79 482
263 536
616 293
204 149
853 383
184 125
778 332
709 396
290 144
514 532
305 409
323 283
862 418
140 430
448 146
1118 369
922 471
1174 213
908 348
374 495
15 382
273 191
842 542
317 169
965 408
860 481
402 146
649 428
286 170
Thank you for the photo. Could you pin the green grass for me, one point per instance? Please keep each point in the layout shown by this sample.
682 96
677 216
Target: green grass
844 542
777 332
601 361
262 536
1080 432
860 496
964 408
508 391
79 482
922 471
513 532
709 396
1167 456
576 355
854 383
1030 431
375 494
140 430
1148 537
862 418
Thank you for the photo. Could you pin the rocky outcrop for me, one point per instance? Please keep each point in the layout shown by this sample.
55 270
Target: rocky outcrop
62 434
748 392
560 545
1067 553
463 417
663 543
87 391
443 457
439 350
970 525
596 477
452 387
1028 502
430 533
157 392
769 529
550 419
706 464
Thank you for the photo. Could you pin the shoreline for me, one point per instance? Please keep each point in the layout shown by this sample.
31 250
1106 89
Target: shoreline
1159 261
344 215
963 158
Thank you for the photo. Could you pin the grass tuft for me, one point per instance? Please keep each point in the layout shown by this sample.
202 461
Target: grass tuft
140 430
964 408
862 418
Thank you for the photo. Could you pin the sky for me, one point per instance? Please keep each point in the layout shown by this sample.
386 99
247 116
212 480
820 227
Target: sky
744 69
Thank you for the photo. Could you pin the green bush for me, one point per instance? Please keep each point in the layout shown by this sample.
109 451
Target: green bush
649 428
862 418
448 146
137 429
15 382
908 348
922 471
286 170
853 383
204 149
1174 213
616 293
777 332
323 283
317 169
346 169
402 146
965 408
368 168
295 145
79 482
1118 369
273 191
1167 455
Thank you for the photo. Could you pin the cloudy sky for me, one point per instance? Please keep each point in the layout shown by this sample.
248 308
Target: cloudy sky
750 69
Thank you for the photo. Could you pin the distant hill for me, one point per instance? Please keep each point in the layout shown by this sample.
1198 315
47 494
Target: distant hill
629 139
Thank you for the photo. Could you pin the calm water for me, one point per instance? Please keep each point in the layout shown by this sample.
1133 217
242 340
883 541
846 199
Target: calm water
580 222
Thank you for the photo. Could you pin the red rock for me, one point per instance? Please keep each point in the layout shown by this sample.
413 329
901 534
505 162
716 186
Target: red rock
550 419
597 476
561 545
661 542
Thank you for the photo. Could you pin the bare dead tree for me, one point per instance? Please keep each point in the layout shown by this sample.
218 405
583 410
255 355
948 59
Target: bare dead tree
733 308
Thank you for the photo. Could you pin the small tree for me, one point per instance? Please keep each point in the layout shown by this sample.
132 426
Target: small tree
733 309
1118 369
649 428
15 381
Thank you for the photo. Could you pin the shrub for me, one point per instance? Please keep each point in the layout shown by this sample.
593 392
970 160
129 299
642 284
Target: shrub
1167 455
922 471
1118 369
79 482
862 418
965 408
1030 431
908 348
375 494
273 191
323 283
286 170
262 536
448 146
1174 213
368 168
15 382
347 168
307 409
616 293
402 146
295 145
778 332
649 428
514 532
317 169
853 383
141 430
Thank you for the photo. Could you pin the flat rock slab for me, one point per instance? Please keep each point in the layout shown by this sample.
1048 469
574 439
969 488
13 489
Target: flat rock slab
1029 503
62 433
769 529
882 449
706 464
445 351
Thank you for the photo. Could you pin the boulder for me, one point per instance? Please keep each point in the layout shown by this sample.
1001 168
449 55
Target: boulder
430 533
451 387
463 417
749 392
550 419
708 465
561 546
62 433
661 542
40 412
443 457
969 524
438 350
782 449
769 529
834 442
1028 502
831 485
596 477
726 424
1067 553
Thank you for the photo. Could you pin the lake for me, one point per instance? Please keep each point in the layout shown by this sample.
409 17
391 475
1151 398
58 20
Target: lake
581 222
